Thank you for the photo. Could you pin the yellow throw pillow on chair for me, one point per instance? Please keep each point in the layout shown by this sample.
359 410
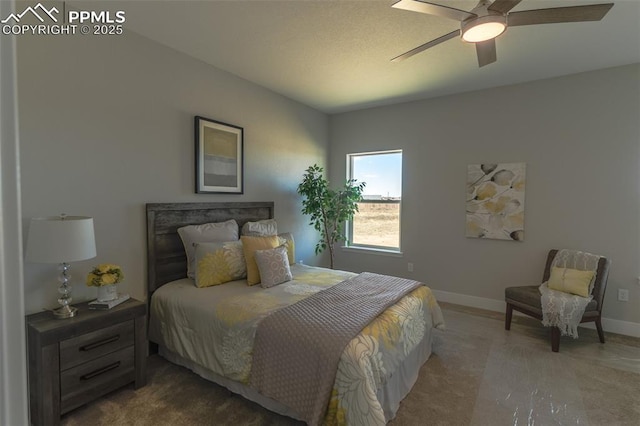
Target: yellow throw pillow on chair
571 281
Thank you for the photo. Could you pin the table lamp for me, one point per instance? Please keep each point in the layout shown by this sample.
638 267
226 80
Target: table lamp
61 239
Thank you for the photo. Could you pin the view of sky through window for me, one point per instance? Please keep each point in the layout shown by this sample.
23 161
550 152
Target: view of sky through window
382 174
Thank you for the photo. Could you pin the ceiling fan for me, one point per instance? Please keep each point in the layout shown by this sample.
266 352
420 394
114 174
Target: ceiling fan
490 19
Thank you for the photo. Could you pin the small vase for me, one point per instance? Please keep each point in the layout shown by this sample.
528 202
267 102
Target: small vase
107 293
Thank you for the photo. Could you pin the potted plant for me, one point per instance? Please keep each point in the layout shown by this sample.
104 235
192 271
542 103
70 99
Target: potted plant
329 209
105 276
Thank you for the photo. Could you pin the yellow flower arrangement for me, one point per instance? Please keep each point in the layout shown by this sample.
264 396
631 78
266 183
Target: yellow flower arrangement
105 274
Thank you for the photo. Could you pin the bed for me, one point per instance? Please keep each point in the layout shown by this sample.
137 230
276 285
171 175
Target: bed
212 330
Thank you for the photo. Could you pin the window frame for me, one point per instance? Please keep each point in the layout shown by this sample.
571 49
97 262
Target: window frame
349 226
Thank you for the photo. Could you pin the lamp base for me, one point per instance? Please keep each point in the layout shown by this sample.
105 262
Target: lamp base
65 312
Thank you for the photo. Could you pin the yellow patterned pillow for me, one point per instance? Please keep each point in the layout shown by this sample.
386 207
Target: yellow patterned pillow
206 233
219 263
570 281
249 246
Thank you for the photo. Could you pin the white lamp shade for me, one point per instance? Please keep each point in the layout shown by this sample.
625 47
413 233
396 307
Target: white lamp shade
59 239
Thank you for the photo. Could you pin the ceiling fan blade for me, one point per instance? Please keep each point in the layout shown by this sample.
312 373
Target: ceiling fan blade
426 46
593 12
486 51
433 9
503 6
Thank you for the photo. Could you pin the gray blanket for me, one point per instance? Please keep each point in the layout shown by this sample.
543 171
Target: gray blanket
297 349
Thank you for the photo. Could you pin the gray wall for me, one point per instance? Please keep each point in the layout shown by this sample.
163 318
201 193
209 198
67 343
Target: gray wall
580 138
106 126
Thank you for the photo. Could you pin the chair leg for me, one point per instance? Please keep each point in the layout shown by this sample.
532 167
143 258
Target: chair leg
507 319
600 330
555 339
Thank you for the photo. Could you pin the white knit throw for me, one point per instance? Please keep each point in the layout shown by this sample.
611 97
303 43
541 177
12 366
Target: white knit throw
564 310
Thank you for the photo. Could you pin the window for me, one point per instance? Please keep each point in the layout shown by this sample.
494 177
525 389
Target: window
377 224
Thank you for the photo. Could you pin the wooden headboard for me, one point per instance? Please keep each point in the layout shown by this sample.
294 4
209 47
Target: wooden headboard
166 259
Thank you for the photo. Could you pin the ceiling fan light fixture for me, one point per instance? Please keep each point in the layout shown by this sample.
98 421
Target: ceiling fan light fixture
483 28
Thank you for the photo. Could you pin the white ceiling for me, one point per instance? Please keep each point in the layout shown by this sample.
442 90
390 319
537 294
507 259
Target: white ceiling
334 55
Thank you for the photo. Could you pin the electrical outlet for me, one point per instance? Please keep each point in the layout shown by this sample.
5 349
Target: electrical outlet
410 267
623 295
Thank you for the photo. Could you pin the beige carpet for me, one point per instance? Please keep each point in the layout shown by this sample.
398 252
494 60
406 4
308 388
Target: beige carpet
479 374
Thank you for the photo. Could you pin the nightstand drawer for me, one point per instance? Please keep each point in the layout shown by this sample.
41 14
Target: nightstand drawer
88 381
92 345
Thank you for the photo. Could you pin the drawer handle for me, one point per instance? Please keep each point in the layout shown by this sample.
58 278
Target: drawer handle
100 371
97 344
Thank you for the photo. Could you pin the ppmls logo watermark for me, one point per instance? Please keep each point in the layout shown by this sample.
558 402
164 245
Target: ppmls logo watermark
43 20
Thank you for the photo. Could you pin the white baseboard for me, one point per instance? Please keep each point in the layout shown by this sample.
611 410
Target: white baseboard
627 328
611 325
473 301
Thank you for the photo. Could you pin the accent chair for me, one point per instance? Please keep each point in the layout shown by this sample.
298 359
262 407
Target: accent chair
526 299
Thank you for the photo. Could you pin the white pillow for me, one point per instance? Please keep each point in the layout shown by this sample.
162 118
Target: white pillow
205 233
261 228
273 265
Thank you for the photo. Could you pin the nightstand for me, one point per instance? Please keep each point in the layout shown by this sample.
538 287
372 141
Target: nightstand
76 360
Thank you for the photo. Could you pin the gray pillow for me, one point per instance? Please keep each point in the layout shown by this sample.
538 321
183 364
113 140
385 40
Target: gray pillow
261 228
273 265
205 233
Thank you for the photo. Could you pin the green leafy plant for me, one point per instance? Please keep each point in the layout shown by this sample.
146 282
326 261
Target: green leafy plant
329 209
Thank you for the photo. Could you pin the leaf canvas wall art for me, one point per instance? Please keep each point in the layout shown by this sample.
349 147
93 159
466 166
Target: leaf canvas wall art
495 201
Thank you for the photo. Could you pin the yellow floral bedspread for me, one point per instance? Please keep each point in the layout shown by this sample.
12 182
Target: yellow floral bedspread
223 342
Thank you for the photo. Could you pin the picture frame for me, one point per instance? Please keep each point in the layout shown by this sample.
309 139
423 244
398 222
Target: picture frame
219 157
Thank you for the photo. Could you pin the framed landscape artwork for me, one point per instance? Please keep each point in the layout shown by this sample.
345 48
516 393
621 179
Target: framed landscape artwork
219 157
495 201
